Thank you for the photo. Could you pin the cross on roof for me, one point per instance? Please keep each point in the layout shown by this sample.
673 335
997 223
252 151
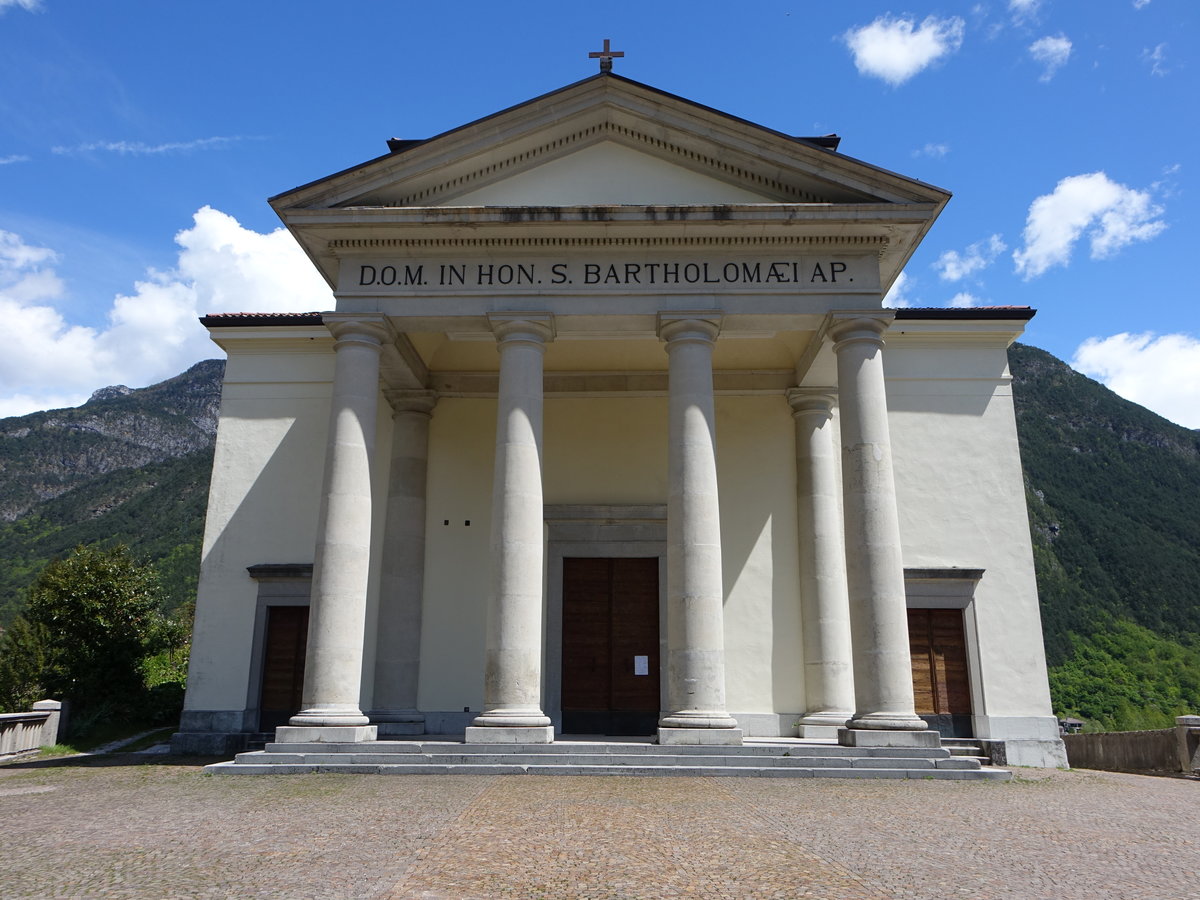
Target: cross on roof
606 56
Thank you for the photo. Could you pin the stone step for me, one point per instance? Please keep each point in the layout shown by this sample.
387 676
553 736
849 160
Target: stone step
595 759
248 768
572 747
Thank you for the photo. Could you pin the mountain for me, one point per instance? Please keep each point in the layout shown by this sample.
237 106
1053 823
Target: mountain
1113 494
129 466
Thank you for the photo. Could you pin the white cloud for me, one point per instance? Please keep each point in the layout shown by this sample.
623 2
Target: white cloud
152 332
1111 214
137 148
1160 372
27 5
897 49
1139 4
1052 52
15 158
1157 59
963 300
1023 10
937 151
955 266
897 296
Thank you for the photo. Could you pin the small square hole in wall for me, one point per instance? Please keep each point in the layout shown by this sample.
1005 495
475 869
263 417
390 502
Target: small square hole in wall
445 521
467 522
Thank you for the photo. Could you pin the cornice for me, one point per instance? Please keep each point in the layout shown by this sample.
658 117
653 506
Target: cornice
864 243
597 131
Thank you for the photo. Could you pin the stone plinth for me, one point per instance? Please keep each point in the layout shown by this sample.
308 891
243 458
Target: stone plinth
510 734
725 737
325 734
868 737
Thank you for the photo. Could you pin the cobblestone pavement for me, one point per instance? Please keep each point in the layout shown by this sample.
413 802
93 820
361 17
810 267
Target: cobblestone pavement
130 827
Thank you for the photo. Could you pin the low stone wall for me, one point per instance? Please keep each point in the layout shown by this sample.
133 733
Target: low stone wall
1166 750
23 732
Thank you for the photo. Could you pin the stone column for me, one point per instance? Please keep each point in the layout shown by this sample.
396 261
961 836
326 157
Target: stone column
695 591
338 605
398 628
512 691
883 692
824 602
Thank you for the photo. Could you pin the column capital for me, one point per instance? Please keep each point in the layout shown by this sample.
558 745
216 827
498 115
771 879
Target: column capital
529 327
358 327
689 325
411 401
810 400
867 325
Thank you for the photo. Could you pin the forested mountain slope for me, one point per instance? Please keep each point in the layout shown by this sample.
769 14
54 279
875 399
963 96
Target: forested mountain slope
1114 503
129 466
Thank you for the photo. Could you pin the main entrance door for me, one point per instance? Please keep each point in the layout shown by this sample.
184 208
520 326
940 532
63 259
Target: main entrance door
941 686
610 681
283 665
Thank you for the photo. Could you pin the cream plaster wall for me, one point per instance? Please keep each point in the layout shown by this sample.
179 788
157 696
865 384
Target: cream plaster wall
262 505
606 173
962 501
462 435
756 468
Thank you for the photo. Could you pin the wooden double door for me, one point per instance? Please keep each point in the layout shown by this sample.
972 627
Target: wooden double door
941 683
610 646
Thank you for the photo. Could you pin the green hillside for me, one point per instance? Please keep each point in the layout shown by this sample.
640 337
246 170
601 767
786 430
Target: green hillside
1113 493
129 466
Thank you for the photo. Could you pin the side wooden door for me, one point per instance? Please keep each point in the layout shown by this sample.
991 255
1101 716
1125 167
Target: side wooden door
283 665
941 680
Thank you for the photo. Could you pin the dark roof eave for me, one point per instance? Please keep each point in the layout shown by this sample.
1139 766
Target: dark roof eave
967 314
258 320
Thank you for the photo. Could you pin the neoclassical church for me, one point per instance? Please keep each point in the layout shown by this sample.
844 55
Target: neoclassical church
610 433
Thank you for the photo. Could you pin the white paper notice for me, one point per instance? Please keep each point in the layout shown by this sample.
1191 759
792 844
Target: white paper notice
641 665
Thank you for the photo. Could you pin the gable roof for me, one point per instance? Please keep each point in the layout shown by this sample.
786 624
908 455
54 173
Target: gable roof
754 175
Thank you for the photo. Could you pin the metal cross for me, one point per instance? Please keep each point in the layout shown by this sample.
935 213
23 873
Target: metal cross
606 56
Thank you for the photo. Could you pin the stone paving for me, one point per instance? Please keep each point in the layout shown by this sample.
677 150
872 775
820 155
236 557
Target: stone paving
148 827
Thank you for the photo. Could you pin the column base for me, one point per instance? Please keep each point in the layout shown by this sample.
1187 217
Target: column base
700 736
398 722
822 725
878 737
510 734
325 734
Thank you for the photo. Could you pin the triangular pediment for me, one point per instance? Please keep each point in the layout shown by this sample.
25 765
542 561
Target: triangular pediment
608 141
608 173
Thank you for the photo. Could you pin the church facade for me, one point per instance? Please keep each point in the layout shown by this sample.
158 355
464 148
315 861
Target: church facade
609 432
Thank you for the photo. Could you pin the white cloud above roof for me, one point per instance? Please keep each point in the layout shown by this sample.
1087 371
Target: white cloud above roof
1052 52
1161 372
955 266
896 49
27 5
151 333
1108 214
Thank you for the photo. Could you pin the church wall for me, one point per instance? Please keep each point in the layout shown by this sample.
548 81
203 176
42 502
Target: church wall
462 435
962 504
756 468
263 503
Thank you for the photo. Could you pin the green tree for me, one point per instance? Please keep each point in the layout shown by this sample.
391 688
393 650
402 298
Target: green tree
100 610
24 665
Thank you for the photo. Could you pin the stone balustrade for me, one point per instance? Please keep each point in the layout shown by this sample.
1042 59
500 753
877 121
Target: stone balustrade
26 731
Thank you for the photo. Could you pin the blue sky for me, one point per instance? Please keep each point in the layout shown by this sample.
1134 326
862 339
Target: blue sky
139 140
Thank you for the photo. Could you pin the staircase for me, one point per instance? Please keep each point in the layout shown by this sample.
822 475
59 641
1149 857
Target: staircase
775 758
